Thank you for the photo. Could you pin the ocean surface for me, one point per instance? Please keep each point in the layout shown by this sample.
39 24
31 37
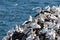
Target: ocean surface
14 12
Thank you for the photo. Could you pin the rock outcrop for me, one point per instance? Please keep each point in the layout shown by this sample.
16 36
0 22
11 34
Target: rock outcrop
44 26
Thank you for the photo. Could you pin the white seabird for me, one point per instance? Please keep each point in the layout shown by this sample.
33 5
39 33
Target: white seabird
35 25
20 29
27 30
35 20
41 20
47 8
50 25
29 20
57 26
51 34
17 28
41 17
44 30
58 15
10 32
37 38
37 9
52 17
31 36
6 38
54 8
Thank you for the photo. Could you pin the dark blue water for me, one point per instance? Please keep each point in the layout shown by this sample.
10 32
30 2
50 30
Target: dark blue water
14 12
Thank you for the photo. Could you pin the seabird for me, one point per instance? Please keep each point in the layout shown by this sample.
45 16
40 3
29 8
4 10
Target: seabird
20 29
47 9
52 17
37 9
35 25
17 28
44 30
41 17
30 18
50 24
51 34
56 27
31 36
35 20
10 32
6 38
54 9
28 21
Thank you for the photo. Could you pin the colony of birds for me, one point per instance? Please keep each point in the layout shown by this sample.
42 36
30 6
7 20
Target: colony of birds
44 26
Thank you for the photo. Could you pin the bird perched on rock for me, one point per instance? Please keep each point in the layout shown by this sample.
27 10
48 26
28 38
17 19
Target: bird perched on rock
18 29
52 17
51 34
28 21
35 25
47 8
